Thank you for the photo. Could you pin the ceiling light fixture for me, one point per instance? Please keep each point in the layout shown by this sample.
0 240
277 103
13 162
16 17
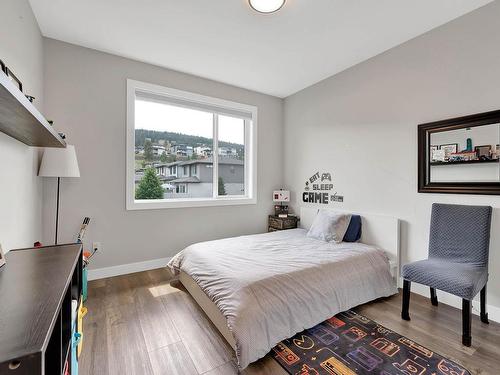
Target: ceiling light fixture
266 6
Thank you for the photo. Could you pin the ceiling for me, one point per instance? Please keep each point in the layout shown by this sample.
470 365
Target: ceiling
224 40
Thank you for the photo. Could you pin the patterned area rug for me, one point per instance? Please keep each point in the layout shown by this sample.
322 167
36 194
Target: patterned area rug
350 344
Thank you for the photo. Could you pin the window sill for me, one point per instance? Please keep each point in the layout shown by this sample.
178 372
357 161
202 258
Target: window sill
188 202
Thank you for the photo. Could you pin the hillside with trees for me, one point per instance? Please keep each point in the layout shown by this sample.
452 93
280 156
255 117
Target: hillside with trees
178 138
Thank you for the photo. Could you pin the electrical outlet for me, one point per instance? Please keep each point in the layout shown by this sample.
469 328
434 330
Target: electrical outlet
96 246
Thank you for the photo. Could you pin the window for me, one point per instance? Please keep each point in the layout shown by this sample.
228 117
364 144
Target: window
181 189
188 150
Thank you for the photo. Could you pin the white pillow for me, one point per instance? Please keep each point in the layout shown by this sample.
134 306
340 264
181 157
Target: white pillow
329 226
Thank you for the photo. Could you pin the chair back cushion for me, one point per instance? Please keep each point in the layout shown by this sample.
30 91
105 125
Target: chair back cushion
460 233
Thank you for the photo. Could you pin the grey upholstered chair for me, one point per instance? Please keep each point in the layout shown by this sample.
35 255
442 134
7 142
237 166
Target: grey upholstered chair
458 259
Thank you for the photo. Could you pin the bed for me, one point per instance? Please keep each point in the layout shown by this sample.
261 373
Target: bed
261 289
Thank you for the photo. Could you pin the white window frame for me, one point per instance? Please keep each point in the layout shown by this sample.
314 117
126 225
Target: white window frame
178 187
250 196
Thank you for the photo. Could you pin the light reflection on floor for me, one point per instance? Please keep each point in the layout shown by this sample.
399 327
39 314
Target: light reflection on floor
163 289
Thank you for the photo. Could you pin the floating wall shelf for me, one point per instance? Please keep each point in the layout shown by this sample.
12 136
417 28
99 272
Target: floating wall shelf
464 162
21 120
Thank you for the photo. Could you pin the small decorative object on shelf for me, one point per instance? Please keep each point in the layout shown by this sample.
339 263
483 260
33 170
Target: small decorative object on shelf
437 155
463 156
2 257
30 98
433 150
62 135
11 75
496 154
483 152
469 144
449 149
13 78
276 223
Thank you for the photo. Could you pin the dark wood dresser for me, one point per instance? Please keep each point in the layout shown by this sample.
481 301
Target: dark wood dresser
37 287
276 223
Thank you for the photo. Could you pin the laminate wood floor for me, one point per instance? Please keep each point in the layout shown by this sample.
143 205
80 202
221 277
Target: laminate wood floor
143 324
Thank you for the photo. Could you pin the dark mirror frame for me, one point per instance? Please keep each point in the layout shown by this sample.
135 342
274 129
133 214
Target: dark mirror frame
424 133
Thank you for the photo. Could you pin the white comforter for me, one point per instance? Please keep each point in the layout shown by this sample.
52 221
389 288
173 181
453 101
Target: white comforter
271 286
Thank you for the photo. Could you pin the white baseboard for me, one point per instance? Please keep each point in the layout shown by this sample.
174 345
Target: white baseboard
448 299
124 269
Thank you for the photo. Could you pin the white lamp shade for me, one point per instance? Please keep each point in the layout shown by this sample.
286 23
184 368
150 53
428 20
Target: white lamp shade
59 162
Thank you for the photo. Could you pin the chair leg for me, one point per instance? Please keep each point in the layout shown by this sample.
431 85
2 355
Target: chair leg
434 298
405 315
484 314
466 322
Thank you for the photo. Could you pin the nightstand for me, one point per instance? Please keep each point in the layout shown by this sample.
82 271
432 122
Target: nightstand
276 223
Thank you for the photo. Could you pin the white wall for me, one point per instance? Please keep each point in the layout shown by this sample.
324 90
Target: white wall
362 126
85 94
21 48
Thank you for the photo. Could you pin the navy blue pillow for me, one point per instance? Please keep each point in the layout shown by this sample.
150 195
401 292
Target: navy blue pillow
353 233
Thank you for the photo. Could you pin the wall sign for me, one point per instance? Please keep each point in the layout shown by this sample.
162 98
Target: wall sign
319 189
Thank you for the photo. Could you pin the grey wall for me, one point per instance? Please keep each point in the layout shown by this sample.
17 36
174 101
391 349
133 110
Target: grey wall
21 49
86 96
362 125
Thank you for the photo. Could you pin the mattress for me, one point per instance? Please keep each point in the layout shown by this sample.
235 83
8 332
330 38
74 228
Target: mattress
271 286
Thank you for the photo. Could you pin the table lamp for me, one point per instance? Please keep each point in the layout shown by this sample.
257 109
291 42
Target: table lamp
281 196
59 162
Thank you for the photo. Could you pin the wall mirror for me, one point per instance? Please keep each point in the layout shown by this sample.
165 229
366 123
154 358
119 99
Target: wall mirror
460 155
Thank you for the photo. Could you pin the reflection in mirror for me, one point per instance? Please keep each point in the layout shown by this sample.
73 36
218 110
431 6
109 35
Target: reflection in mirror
465 155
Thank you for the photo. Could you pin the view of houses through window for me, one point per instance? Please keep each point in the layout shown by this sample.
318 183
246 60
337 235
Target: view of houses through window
175 152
